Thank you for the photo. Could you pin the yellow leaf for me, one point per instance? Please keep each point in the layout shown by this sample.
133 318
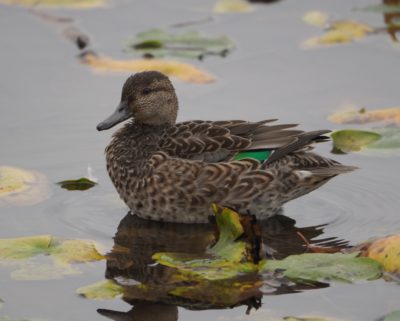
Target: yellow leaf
183 71
232 6
24 247
343 31
76 251
21 187
362 116
387 252
316 18
79 4
103 290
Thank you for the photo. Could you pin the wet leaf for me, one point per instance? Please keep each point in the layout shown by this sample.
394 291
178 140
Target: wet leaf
190 44
313 267
81 4
103 290
183 71
363 116
381 8
81 184
28 252
21 187
232 6
316 18
390 138
353 140
394 316
386 251
343 31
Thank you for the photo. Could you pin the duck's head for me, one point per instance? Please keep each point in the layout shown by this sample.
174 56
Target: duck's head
149 98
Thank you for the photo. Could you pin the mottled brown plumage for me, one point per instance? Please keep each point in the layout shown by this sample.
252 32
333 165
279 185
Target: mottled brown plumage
173 171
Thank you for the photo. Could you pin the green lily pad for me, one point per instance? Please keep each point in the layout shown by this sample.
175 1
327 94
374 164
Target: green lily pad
103 290
190 44
393 316
29 254
81 184
390 138
353 140
314 267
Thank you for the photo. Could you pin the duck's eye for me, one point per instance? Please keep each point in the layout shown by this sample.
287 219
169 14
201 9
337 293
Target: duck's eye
146 91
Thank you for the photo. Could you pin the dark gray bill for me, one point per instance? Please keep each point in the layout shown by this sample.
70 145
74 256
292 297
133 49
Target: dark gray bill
121 113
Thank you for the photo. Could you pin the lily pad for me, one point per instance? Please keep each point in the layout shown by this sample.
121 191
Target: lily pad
79 4
183 71
393 316
190 44
386 251
232 6
353 140
81 184
316 18
21 187
390 138
103 290
28 252
363 116
342 31
314 267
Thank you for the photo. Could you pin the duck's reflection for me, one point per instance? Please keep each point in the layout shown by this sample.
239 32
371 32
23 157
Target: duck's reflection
130 264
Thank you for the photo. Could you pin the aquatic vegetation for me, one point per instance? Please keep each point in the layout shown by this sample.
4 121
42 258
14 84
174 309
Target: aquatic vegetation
102 290
20 187
393 316
364 116
189 44
316 18
183 71
80 184
232 6
27 254
353 140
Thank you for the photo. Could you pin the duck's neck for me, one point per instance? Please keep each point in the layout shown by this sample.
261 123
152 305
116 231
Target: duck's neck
133 145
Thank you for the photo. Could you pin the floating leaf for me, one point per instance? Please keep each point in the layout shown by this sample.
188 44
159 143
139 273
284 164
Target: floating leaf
81 4
21 187
386 251
183 71
316 18
102 290
61 252
81 184
353 140
313 267
340 32
190 44
381 8
393 316
232 6
390 138
362 116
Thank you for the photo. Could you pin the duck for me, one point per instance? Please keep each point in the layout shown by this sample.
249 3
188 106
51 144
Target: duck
174 171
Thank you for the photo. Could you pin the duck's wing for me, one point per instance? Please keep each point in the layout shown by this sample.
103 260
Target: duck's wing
216 141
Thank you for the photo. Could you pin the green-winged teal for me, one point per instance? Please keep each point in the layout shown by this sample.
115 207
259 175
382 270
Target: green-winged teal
170 171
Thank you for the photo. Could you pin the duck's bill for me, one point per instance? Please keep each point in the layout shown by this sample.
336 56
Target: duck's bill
121 113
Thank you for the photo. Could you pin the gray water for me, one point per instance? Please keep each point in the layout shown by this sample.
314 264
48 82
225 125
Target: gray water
50 105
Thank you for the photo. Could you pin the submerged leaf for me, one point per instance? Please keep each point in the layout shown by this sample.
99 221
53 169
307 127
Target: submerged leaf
390 138
81 4
353 140
362 116
313 267
341 32
190 44
382 8
183 71
61 252
102 290
393 316
21 187
316 18
232 6
81 184
386 251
